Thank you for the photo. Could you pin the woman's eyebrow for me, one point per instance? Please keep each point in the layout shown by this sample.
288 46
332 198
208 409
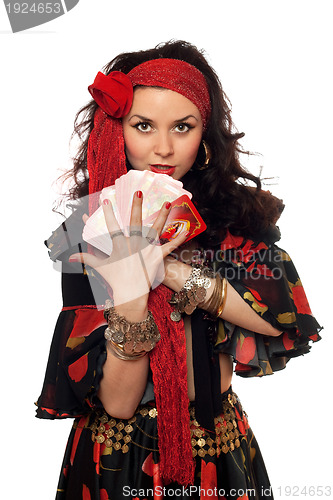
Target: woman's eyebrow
186 118
144 118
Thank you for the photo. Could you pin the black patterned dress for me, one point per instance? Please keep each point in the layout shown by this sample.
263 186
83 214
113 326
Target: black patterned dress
112 459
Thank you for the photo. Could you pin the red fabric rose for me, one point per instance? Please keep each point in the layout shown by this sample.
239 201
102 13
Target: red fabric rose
113 93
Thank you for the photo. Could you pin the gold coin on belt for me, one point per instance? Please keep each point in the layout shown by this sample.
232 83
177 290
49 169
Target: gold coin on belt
198 432
201 442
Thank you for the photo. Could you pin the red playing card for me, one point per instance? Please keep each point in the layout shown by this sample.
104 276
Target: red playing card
183 216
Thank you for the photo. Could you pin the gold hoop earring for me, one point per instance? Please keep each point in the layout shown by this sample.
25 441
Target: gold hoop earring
208 156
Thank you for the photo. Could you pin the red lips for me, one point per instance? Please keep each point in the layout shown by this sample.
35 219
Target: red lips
167 169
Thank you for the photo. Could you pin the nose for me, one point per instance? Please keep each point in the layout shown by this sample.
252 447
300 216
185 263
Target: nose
163 145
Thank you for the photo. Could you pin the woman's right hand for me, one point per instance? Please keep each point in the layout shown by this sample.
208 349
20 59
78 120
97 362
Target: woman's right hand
136 261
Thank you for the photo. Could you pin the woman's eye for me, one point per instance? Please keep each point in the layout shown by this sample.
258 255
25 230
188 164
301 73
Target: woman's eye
183 127
143 127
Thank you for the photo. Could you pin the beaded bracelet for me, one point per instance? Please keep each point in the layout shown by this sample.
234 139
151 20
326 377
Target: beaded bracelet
127 340
194 293
191 295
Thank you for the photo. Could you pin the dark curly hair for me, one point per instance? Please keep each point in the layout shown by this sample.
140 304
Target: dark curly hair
221 192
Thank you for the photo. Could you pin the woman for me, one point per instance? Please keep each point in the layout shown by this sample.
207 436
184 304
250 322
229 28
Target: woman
162 420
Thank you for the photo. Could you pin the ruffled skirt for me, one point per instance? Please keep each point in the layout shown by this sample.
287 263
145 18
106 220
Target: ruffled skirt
113 459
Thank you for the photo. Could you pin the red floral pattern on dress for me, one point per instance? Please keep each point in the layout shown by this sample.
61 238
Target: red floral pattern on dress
300 300
97 455
257 297
85 493
287 341
245 349
103 494
208 480
148 464
76 438
86 321
78 369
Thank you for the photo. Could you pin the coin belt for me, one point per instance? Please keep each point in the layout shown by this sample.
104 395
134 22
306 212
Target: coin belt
226 436
116 433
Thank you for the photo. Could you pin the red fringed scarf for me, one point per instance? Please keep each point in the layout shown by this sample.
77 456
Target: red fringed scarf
106 162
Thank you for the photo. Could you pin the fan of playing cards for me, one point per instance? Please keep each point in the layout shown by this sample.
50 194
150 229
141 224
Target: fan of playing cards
157 189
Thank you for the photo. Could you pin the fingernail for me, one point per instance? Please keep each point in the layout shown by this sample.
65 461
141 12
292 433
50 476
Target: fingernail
73 259
139 194
106 201
167 205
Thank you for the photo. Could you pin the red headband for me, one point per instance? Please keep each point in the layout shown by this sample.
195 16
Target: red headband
106 162
114 92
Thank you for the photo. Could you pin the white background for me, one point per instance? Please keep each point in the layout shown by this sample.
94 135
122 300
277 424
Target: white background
274 61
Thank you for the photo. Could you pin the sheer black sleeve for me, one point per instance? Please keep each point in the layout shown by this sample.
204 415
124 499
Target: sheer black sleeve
265 277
